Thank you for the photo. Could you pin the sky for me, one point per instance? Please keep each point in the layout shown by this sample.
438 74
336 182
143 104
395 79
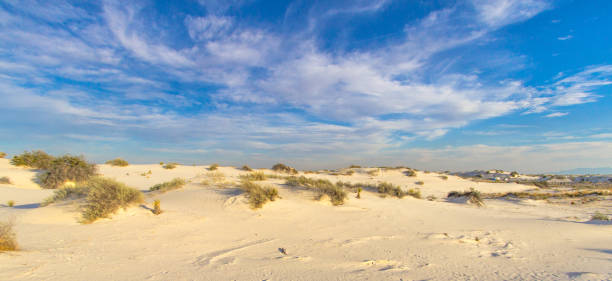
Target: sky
440 85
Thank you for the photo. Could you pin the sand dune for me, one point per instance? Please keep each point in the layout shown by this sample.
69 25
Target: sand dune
209 232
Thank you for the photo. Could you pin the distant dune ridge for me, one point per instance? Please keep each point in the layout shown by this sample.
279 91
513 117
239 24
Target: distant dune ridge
196 223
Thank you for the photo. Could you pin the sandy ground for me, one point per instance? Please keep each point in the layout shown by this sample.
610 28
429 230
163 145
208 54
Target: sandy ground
208 232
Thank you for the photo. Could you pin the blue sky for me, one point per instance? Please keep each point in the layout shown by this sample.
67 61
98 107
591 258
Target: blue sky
513 84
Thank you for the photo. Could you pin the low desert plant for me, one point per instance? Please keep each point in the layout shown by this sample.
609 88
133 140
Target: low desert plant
213 167
156 207
147 173
284 169
246 168
67 193
410 173
5 180
354 167
390 189
176 183
8 238
374 172
34 159
254 176
170 166
258 195
514 174
2 154
216 177
473 196
66 168
10 203
600 217
161 163
444 177
359 193
547 195
117 162
106 196
419 183
322 186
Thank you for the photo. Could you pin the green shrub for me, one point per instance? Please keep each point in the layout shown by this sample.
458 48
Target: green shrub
599 216
358 193
106 196
8 238
444 177
161 163
66 168
117 162
2 154
170 185
170 166
254 176
5 180
67 193
246 168
35 159
282 168
410 173
258 195
156 207
473 196
336 193
10 203
390 189
213 167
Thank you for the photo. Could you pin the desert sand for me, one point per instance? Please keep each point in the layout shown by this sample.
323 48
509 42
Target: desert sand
208 232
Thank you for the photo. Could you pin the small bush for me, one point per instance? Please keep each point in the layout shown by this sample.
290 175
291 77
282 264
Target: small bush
67 193
66 168
444 177
35 159
419 183
246 168
170 185
323 187
170 166
410 173
161 163
473 196
213 167
8 238
514 174
359 193
106 196
373 172
156 207
10 203
390 189
284 169
254 176
599 216
117 162
216 177
258 195
2 154
354 167
5 180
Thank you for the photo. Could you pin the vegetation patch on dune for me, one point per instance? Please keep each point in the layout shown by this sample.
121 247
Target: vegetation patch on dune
547 195
8 238
335 192
176 183
2 154
254 176
473 196
282 168
600 217
66 168
5 180
118 162
213 167
67 193
246 168
170 166
383 188
258 195
37 159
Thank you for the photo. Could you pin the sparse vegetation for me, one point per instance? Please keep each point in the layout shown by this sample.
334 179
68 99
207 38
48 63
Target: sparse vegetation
374 172
600 217
10 203
156 207
547 195
213 167
118 162
106 196
8 238
170 166
34 159
2 154
258 195
473 196
322 186
419 183
282 168
431 198
514 174
444 177
67 193
359 193
254 176
147 173
246 168
216 177
161 163
176 183
66 168
5 180
355 167
410 173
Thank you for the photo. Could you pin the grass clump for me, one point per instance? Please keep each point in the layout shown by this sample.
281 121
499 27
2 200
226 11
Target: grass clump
444 177
170 166
246 168
282 168
600 217
354 167
118 162
2 154
547 195
336 193
254 176
258 195
176 183
66 193
419 183
473 196
390 189
34 159
156 207
8 238
106 196
66 168
410 173
5 180
10 203
213 167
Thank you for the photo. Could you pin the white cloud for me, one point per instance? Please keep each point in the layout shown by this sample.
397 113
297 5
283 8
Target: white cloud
502 12
563 38
556 114
209 27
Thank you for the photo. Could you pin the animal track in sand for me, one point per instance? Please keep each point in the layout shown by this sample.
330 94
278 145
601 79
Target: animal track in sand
488 242
385 265
224 256
366 239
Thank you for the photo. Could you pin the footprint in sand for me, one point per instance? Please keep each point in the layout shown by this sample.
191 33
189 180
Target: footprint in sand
488 242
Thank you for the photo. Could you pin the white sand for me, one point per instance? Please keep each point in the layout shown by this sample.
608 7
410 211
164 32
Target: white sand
210 233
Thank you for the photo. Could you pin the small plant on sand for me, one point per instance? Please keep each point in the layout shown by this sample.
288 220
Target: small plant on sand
419 183
335 192
10 203
600 217
216 177
282 168
354 167
106 196
254 176
258 195
444 177
8 238
213 167
514 174
156 207
2 154
66 168
473 196
359 193
5 180
170 166
176 183
246 168
410 173
161 163
35 159
117 162
374 172
390 189
147 173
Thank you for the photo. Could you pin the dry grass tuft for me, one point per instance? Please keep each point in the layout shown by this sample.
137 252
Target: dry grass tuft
254 176
547 195
600 217
444 177
10 203
246 168
473 196
170 166
282 168
66 168
5 180
419 183
336 193
258 195
8 238
2 154
176 183
106 196
156 207
213 167
34 159
66 193
410 173
118 162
